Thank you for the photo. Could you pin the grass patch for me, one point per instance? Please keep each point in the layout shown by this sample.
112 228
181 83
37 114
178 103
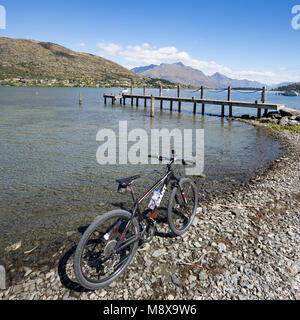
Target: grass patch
293 128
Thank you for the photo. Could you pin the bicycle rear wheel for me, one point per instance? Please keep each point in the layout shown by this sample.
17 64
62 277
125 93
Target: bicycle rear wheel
98 262
182 206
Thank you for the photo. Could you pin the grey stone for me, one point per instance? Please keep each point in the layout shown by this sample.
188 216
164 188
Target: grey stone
17 289
192 279
71 233
158 253
258 251
284 121
222 247
293 122
176 280
236 211
287 112
203 276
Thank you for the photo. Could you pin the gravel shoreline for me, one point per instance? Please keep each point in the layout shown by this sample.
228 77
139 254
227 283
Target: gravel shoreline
244 245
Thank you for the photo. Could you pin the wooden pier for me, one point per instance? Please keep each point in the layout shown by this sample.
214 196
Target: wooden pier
262 105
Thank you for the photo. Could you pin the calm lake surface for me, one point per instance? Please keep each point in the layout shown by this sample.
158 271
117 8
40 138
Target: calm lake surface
50 179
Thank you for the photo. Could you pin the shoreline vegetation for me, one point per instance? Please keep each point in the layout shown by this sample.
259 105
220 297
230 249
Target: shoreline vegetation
54 83
244 244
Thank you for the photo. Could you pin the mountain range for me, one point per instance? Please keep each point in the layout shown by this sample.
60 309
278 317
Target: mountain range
179 73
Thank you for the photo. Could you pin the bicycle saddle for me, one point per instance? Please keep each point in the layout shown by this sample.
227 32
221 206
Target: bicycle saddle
126 181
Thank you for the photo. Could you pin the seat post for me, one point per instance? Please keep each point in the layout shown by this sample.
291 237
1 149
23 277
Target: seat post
133 194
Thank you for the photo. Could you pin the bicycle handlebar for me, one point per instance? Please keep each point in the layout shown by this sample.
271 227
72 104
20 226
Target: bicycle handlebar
173 160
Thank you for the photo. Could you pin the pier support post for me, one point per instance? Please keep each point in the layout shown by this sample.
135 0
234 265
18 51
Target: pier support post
195 107
258 113
171 105
266 112
104 100
80 98
124 101
137 102
229 98
160 94
178 91
178 95
152 106
145 100
132 102
223 111
202 97
264 95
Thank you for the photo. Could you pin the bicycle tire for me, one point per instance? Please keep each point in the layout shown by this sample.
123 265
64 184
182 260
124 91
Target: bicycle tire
78 258
193 201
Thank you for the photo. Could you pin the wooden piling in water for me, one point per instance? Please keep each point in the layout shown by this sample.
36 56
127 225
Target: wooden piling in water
264 95
161 94
263 100
80 99
258 113
137 102
152 106
202 97
171 105
178 91
179 101
195 106
223 111
229 98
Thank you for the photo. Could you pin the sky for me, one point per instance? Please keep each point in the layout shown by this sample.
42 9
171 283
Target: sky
243 39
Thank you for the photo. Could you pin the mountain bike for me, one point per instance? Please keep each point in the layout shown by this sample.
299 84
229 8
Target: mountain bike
109 244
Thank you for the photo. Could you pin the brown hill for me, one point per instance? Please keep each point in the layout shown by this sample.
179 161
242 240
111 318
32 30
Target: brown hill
31 59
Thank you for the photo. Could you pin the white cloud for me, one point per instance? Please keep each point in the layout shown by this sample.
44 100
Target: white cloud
146 54
110 48
82 44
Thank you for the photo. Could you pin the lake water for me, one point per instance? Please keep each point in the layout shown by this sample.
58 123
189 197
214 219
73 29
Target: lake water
50 179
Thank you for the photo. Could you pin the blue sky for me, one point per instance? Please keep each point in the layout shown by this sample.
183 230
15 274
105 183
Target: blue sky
240 38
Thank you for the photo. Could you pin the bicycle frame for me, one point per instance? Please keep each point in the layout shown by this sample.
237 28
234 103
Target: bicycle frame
164 181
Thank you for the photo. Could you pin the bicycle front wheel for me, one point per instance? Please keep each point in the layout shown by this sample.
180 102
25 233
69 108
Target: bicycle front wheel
182 206
105 250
